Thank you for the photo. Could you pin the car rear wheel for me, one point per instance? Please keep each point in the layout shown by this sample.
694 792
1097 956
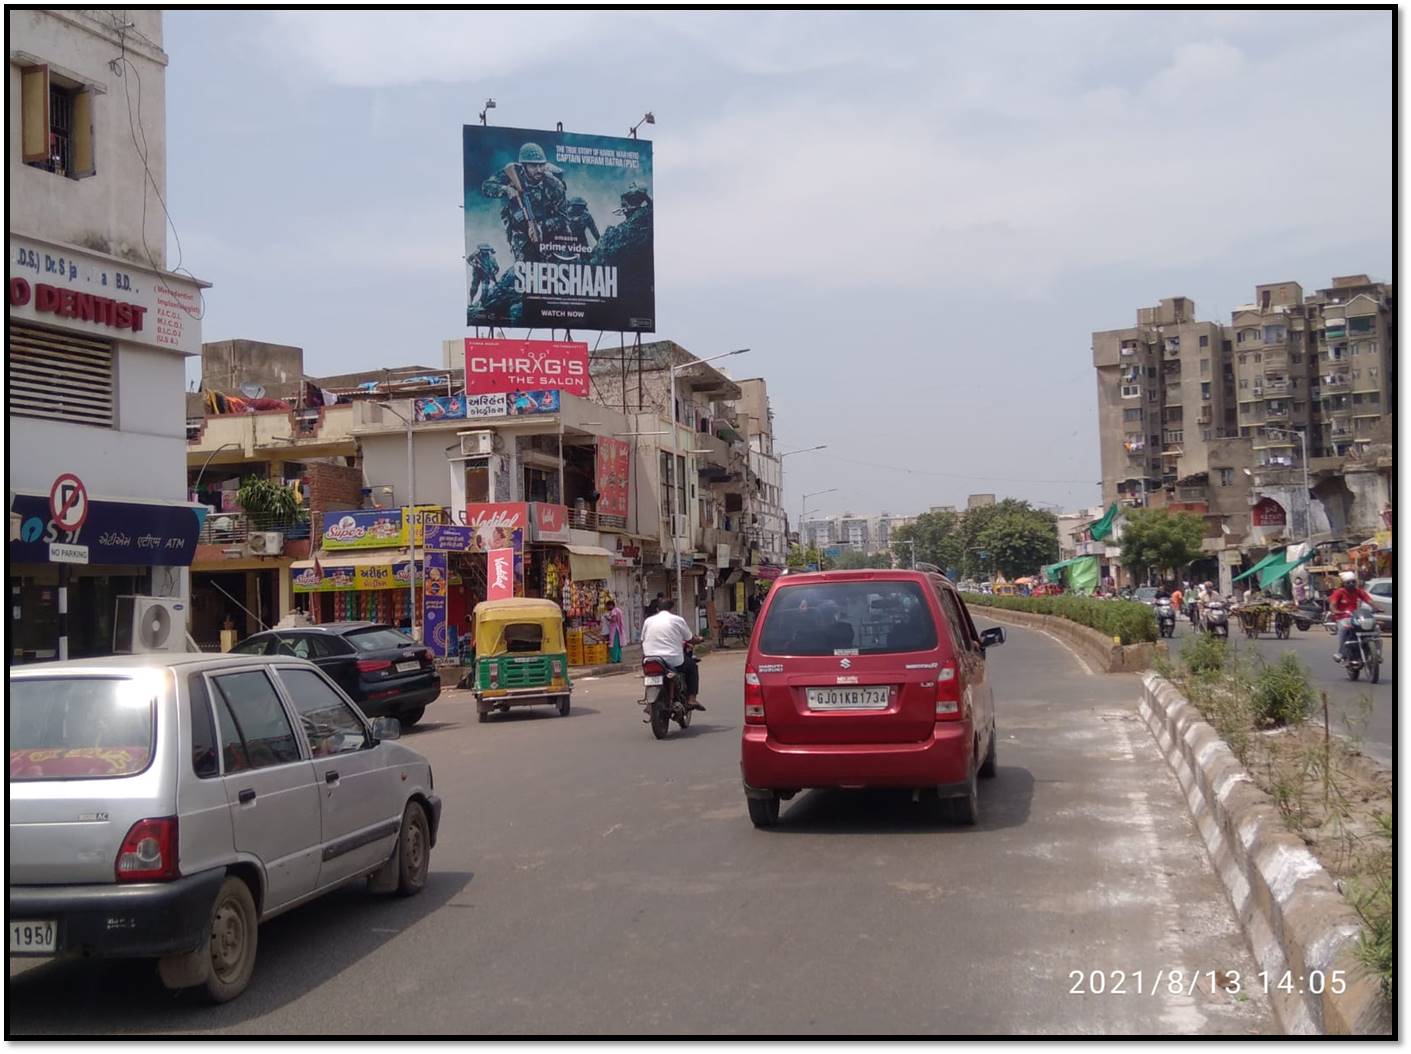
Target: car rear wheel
413 851
411 717
965 810
764 812
563 706
234 938
991 764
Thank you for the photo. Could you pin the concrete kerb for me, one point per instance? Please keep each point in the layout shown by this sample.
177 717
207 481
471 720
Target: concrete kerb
1291 912
1094 646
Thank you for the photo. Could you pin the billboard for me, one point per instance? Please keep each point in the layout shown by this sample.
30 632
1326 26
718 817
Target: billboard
493 366
613 458
363 529
558 230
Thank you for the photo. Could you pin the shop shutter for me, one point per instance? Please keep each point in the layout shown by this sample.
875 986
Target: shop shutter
61 376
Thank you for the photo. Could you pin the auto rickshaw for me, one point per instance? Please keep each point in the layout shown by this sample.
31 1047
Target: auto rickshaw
520 658
1005 589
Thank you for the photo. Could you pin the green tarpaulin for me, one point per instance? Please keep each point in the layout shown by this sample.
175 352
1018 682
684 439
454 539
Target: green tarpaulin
1274 572
1082 573
1103 527
1271 558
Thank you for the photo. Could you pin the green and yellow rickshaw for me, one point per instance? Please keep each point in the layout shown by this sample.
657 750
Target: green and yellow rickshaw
520 657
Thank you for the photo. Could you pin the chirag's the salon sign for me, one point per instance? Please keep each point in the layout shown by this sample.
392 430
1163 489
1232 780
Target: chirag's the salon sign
59 286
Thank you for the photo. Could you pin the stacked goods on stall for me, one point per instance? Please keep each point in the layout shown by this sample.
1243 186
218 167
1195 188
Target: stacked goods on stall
585 603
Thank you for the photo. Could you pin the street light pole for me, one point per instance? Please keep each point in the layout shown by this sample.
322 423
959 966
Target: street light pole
410 517
803 511
675 455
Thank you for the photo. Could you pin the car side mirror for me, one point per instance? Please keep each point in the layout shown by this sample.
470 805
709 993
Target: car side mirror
991 637
386 728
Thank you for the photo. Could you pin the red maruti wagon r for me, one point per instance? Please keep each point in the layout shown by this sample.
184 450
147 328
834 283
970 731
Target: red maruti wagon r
866 679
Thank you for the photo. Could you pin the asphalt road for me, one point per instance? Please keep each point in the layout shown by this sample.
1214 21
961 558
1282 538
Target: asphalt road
1359 710
592 880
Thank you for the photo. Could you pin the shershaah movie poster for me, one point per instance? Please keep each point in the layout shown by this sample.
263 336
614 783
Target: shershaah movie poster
558 230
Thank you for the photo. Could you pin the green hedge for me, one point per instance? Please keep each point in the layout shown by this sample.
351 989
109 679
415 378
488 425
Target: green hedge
1130 620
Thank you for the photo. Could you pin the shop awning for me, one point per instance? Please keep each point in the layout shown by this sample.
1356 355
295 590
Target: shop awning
366 558
1271 558
1276 571
588 562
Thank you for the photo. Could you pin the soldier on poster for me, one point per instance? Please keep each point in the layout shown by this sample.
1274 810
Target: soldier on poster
484 270
538 194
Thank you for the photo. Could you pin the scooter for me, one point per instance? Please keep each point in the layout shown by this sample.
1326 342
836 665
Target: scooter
1312 611
1165 617
1363 648
1216 619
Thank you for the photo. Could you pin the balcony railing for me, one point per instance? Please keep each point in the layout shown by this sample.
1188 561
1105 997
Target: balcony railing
235 528
592 520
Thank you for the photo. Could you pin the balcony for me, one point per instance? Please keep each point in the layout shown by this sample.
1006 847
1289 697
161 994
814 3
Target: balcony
592 520
235 528
1276 412
1335 382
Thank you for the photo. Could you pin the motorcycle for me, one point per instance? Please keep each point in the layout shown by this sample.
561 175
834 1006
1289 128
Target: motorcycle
1165 618
664 696
1216 619
1363 648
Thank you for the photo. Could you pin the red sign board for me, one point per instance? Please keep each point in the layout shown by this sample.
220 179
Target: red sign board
494 523
499 574
550 522
614 457
519 365
1268 513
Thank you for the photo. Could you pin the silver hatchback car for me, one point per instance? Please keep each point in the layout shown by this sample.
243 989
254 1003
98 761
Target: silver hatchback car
163 806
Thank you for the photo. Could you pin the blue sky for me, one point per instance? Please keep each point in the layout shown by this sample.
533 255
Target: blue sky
914 219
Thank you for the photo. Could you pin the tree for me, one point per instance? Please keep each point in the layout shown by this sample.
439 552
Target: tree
977 521
800 557
1161 539
852 560
1019 543
269 503
937 539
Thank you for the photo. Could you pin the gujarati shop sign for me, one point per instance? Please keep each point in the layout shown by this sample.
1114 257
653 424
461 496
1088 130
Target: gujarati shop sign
613 458
113 532
493 365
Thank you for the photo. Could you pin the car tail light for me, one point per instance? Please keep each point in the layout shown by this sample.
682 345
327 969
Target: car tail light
424 654
947 693
374 665
754 699
148 853
652 668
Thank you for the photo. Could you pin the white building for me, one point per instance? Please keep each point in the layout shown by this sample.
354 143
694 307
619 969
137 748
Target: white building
97 331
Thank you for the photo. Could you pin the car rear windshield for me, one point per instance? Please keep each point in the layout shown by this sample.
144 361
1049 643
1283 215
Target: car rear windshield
81 727
848 618
378 638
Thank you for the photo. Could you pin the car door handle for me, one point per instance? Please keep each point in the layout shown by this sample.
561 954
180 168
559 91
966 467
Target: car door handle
330 776
247 796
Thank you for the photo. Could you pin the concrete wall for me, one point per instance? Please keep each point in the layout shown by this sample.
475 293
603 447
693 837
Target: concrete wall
227 364
101 212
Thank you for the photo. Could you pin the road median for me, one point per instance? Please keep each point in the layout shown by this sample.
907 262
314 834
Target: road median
1100 651
1302 930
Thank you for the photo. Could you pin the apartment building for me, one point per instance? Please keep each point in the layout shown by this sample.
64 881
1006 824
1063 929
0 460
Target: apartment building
1223 420
97 333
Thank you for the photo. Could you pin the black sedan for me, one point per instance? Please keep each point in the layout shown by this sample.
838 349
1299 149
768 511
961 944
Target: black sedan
382 669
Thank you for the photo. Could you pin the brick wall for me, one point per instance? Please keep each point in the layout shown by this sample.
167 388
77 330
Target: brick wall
332 487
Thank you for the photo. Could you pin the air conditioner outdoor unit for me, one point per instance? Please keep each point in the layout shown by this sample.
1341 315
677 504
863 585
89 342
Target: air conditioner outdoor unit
473 443
265 543
147 624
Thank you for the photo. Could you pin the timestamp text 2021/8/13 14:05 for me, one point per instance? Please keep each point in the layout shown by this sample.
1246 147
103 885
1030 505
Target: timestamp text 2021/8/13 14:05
1186 982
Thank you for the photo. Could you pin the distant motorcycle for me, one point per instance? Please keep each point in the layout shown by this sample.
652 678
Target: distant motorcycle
1165 617
664 696
1363 647
1312 611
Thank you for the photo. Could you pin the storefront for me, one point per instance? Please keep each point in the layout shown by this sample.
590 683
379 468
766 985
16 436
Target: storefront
122 548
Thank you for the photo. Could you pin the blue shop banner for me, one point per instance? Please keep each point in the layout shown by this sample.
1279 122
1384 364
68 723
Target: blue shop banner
449 537
115 532
433 604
